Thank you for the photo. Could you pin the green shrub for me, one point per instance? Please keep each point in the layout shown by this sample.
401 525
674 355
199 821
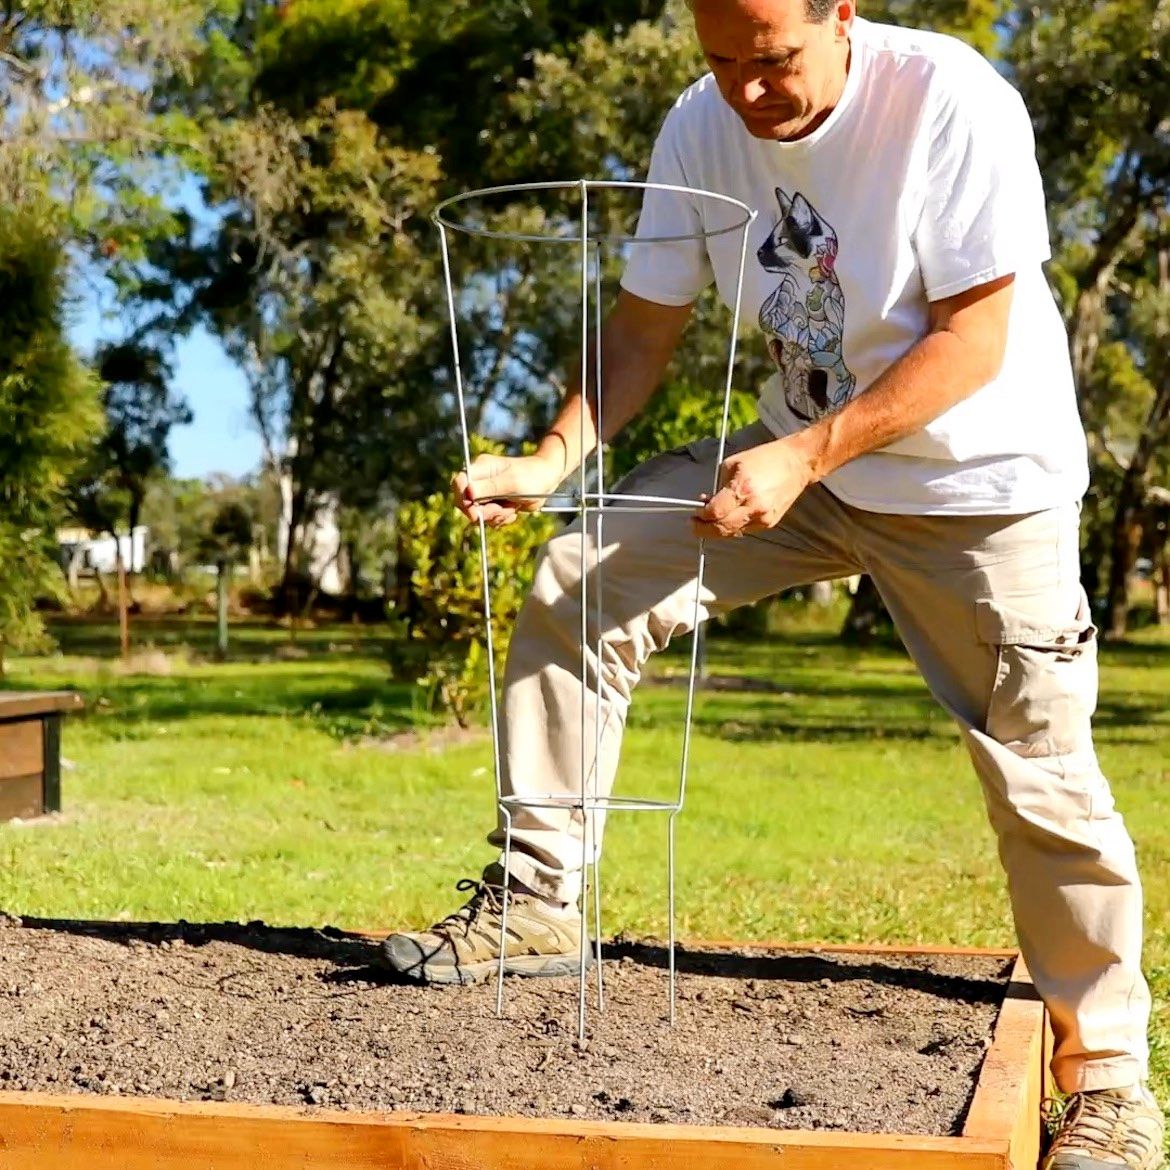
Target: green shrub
48 414
440 604
677 414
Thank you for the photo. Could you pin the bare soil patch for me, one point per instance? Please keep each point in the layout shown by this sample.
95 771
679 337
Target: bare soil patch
872 1043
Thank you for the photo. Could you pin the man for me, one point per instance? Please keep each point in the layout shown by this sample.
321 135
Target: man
920 426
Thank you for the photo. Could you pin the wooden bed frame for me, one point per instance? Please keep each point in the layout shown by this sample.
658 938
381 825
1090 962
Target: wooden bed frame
1001 1132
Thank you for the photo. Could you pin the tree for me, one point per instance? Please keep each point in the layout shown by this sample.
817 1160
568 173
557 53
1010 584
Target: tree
79 81
322 276
321 272
1146 314
179 513
78 84
48 403
1096 79
140 408
131 452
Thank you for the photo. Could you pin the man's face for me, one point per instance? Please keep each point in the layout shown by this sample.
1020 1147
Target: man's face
781 73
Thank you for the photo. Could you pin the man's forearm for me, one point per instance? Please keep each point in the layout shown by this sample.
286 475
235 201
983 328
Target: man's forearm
938 372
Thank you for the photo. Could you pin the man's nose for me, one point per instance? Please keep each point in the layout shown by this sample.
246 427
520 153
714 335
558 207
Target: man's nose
749 87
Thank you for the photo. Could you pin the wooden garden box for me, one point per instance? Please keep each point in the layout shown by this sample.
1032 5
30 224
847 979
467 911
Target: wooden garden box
1002 1130
30 752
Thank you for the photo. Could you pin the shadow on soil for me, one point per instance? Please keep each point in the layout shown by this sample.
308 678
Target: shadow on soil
890 970
336 946
356 957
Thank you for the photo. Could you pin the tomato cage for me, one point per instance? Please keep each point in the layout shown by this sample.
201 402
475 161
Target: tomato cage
587 503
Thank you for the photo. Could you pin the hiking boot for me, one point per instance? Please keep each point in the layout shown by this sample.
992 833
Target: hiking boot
542 939
1104 1130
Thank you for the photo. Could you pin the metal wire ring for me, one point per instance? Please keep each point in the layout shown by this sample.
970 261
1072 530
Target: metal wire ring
442 220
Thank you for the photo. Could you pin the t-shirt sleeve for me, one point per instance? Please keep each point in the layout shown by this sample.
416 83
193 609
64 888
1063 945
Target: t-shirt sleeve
673 271
983 215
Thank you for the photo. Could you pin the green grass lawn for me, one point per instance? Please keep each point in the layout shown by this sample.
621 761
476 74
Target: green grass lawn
828 798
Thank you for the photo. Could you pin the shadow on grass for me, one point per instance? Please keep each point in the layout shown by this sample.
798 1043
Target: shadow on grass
803 688
252 639
332 702
751 710
844 731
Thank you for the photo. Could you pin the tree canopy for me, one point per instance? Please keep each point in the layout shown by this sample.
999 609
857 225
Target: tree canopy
320 134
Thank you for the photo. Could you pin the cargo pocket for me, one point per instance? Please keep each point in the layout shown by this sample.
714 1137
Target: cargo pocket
1045 688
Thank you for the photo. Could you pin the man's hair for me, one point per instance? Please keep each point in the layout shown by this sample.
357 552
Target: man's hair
817 11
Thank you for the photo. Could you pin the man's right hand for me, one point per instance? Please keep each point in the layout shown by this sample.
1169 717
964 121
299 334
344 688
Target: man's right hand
502 486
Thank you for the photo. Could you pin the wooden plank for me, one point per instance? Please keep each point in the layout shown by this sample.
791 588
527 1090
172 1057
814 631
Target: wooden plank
1011 1082
22 797
22 704
39 1132
22 748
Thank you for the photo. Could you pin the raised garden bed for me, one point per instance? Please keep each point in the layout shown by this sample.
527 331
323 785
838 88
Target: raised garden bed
30 751
221 1046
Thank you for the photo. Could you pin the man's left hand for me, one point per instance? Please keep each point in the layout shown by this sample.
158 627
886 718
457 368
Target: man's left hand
756 489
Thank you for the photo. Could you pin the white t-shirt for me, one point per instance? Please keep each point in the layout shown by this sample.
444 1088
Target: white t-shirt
921 183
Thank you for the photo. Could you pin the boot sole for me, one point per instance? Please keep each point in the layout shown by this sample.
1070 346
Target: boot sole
528 966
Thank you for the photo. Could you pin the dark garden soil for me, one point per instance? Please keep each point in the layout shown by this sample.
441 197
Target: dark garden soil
870 1043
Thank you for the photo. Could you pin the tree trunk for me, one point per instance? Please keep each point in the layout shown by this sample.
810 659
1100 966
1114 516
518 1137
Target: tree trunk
1127 536
1127 531
1115 238
103 592
290 579
135 518
123 606
351 579
223 570
1162 586
73 572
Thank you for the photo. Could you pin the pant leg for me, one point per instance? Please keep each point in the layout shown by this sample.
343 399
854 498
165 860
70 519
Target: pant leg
992 610
646 569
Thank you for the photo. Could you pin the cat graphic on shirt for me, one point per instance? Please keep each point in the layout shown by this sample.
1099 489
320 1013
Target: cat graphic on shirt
804 319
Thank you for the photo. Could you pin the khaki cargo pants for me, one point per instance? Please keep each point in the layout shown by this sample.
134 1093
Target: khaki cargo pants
992 611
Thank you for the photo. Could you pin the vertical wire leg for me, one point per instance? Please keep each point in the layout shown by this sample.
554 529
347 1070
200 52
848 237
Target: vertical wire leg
597 917
583 517
465 436
670 911
600 545
584 920
504 912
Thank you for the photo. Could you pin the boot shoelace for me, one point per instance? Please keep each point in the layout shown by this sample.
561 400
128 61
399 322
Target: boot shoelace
485 896
1092 1121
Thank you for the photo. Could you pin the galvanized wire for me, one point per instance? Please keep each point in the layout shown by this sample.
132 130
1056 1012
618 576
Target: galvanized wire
590 504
